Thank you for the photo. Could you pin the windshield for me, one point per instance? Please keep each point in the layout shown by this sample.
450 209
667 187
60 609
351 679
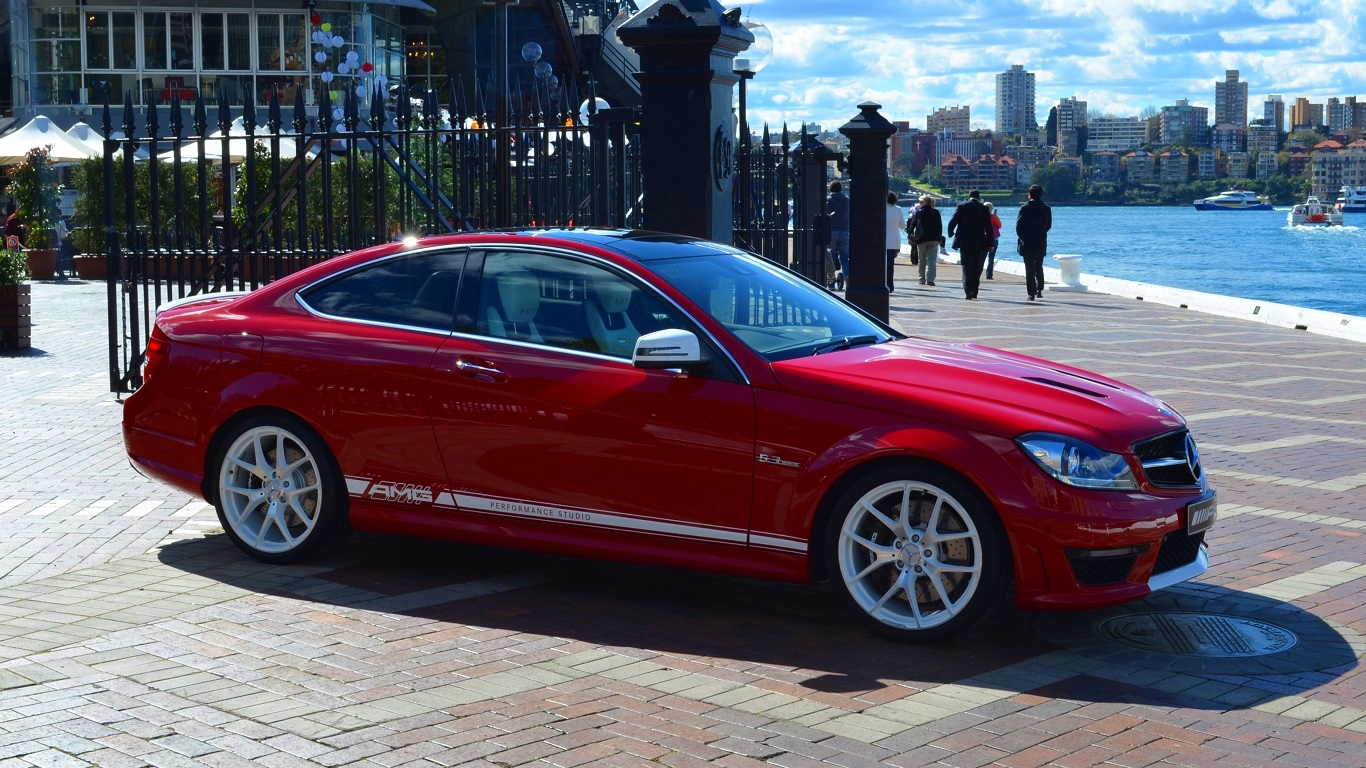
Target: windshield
771 310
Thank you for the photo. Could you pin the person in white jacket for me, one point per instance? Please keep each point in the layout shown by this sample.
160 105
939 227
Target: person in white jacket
895 223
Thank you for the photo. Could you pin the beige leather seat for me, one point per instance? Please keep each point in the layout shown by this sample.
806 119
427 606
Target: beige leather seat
607 320
512 315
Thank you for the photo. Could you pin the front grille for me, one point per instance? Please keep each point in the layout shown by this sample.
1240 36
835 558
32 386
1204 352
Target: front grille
1170 460
1178 548
1098 571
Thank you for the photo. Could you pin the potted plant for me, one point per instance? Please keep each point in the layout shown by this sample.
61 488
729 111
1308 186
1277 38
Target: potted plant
15 317
37 193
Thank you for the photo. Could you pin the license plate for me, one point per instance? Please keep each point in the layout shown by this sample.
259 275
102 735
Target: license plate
1200 515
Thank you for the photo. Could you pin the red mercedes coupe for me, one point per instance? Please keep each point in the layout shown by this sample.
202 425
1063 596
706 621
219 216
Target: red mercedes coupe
661 399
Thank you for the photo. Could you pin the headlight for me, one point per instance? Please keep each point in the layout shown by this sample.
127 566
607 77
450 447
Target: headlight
1074 462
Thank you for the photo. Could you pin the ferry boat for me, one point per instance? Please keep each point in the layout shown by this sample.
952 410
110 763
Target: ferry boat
1233 200
1312 213
1352 200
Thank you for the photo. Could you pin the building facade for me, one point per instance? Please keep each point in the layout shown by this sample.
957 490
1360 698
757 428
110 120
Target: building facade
1140 167
1184 122
1262 136
1273 109
1015 101
1071 123
1230 100
1207 164
1116 134
1305 116
955 119
1228 137
1266 165
1346 114
1105 167
1239 165
1173 167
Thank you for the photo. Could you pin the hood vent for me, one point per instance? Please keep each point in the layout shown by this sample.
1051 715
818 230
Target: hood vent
1086 378
1066 386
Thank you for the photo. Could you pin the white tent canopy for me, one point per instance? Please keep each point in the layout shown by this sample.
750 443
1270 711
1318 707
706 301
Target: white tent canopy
84 135
39 132
237 146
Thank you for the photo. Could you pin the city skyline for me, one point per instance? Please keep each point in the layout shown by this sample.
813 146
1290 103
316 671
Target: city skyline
1121 56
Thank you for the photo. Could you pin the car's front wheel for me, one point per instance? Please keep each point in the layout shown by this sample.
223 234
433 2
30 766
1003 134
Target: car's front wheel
916 553
279 493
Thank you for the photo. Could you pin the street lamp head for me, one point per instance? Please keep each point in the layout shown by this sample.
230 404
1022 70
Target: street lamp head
761 51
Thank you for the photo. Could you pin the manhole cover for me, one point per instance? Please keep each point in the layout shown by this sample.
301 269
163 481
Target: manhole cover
1197 634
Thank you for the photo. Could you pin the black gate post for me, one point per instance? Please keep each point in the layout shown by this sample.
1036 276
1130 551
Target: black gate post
686 79
868 133
813 234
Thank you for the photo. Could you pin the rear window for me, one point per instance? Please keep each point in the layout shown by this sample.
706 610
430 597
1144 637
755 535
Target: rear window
417 291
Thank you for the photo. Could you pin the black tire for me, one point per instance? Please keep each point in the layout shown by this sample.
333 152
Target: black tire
279 514
877 558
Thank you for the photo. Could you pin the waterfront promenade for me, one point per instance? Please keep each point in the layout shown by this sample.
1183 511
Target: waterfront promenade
133 633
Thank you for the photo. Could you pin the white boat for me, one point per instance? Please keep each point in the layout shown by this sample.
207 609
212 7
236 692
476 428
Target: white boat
1352 200
1233 200
1312 213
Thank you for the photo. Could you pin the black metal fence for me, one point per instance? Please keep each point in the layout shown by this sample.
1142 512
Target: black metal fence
189 211
779 198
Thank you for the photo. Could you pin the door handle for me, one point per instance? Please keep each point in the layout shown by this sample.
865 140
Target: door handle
479 371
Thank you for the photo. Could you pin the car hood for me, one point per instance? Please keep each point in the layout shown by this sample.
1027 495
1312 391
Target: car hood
983 389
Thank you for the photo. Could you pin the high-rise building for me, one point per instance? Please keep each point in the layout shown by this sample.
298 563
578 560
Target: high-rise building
1345 114
953 119
1071 118
1305 115
1230 100
1273 109
1015 101
1116 134
1183 122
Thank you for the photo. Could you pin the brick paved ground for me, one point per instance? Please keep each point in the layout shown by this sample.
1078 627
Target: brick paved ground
132 633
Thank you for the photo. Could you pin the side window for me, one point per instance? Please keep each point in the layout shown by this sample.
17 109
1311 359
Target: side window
417 291
561 302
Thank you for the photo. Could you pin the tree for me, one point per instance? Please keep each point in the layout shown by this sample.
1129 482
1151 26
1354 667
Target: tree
1051 128
981 147
1059 182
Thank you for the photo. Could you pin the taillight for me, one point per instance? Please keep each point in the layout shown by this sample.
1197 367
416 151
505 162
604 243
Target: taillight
157 348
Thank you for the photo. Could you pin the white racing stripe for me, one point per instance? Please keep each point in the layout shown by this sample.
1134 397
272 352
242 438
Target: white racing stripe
597 518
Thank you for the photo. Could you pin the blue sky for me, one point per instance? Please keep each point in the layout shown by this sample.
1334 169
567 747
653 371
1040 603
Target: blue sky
1118 55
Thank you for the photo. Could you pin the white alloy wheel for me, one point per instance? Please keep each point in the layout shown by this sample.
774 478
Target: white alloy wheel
918 558
272 487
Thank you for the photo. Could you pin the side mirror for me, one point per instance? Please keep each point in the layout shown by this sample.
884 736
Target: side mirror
669 348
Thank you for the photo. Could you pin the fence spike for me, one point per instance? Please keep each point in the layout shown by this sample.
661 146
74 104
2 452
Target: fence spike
201 115
177 122
273 121
403 109
377 115
129 123
300 112
107 121
249 116
224 111
325 111
351 110
153 122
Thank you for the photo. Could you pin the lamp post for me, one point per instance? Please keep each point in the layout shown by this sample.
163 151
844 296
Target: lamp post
756 58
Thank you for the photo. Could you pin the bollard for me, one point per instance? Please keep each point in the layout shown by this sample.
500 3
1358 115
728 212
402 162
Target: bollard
1069 267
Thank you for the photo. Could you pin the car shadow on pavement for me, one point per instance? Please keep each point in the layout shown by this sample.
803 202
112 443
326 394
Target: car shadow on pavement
706 616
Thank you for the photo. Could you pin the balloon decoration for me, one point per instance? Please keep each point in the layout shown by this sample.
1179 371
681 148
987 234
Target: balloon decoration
337 63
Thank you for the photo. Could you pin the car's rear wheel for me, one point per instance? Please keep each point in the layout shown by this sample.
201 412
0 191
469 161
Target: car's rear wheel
916 553
280 495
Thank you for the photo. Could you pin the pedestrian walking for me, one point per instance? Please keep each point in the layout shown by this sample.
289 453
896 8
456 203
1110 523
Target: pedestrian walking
995 239
894 224
837 206
1031 227
926 230
970 229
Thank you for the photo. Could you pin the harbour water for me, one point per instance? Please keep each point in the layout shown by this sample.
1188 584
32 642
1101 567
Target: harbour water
1247 254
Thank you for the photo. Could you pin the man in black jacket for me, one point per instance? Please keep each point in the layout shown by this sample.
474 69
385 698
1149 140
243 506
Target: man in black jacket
1031 226
970 229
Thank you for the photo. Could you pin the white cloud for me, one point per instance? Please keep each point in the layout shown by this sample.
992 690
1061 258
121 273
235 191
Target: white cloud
1119 55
